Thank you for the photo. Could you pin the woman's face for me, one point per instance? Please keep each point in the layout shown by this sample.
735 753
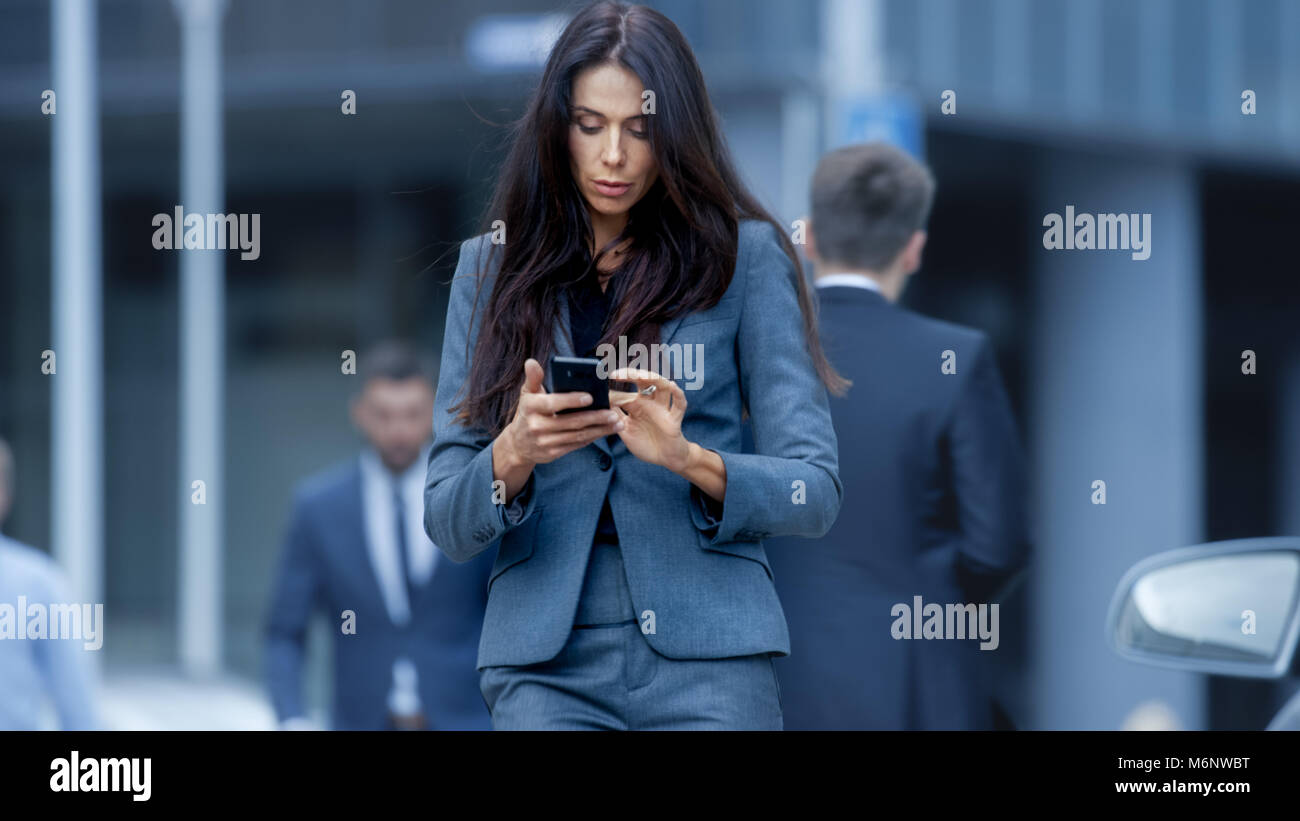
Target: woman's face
609 148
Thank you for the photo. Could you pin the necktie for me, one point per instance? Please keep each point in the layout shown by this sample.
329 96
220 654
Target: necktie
403 548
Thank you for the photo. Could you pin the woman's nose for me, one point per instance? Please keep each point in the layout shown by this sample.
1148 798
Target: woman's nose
613 154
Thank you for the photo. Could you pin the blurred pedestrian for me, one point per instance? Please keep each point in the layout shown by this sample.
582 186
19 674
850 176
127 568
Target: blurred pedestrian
38 674
405 623
933 474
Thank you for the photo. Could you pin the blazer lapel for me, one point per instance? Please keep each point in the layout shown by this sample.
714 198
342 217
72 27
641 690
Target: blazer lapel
564 347
669 328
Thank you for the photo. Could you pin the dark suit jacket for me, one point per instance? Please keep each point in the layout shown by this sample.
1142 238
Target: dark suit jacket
326 565
934 495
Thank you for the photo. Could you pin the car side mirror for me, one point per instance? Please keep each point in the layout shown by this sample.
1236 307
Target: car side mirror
1229 608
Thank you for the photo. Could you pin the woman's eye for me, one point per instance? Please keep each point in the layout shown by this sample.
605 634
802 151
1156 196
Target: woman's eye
588 129
638 134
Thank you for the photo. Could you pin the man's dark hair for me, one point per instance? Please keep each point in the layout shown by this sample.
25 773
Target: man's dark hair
392 359
867 201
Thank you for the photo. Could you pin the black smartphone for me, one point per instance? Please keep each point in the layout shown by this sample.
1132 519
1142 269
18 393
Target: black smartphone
574 373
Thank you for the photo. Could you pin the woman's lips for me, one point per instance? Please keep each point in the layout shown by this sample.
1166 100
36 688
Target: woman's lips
612 189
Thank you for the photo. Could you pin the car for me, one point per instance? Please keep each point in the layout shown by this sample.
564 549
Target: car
1228 608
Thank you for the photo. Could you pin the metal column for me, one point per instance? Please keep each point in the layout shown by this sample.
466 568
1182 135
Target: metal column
202 334
77 485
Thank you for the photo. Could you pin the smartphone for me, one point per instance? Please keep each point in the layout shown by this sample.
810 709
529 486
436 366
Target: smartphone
573 373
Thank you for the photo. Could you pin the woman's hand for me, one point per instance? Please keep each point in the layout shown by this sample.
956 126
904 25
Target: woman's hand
654 422
538 434
654 431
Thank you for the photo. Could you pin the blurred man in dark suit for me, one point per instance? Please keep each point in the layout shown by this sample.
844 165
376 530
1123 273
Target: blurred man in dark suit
405 622
933 477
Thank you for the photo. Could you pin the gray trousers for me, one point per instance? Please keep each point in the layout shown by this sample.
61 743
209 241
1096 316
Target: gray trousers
609 678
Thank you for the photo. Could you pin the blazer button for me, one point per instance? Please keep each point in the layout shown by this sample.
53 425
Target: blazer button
605 461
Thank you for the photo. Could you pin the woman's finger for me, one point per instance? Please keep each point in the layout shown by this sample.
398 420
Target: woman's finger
533 377
678 396
573 439
575 421
662 386
549 403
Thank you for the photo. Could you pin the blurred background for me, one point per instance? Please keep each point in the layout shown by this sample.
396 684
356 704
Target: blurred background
1120 370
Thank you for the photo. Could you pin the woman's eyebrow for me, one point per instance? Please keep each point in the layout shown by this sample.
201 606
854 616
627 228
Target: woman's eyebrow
584 110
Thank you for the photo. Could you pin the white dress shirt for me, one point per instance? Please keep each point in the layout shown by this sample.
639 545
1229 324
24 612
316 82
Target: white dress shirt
377 485
848 280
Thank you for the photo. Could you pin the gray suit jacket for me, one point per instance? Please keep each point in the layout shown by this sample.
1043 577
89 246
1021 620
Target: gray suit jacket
707 580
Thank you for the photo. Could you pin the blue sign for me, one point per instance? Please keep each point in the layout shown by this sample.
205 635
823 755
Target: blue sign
512 42
890 117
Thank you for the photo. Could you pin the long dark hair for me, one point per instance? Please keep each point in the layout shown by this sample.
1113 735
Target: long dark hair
684 232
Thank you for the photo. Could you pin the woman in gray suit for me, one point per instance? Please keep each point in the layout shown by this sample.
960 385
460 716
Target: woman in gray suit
630 588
